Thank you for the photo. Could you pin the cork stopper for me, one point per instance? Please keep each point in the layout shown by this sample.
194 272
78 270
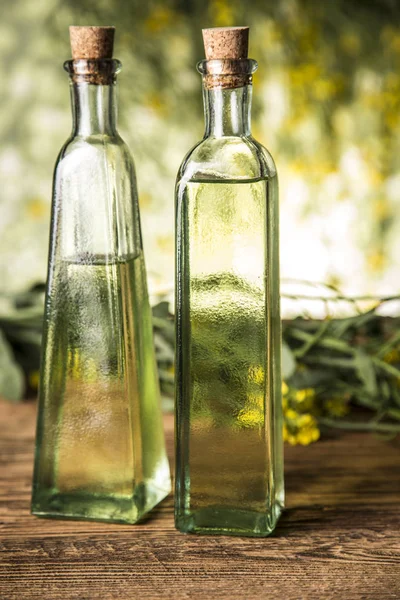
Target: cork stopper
227 49
92 55
94 43
226 42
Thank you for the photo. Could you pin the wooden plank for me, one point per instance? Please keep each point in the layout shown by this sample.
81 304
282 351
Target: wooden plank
338 538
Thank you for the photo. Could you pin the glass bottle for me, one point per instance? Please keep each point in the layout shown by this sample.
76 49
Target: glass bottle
100 451
229 450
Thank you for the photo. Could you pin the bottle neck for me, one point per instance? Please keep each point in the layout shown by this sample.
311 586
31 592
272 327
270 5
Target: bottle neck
94 109
227 111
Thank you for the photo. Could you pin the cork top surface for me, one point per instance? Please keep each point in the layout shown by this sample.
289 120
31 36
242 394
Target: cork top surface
91 42
226 42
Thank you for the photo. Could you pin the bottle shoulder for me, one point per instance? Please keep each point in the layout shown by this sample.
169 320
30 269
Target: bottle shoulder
227 158
83 149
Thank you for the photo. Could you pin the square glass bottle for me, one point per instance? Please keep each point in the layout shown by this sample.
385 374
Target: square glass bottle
229 449
100 450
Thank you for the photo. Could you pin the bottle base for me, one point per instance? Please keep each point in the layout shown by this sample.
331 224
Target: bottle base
83 506
216 520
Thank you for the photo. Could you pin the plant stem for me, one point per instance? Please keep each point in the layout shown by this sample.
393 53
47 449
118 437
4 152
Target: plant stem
362 426
386 367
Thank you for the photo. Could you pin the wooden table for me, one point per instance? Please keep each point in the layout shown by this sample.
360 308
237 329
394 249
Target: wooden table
339 537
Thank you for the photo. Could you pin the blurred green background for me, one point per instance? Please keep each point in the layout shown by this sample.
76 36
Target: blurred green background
326 104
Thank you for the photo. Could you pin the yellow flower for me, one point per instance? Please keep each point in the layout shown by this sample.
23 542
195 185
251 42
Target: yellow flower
300 428
305 398
305 394
288 437
285 388
308 430
291 414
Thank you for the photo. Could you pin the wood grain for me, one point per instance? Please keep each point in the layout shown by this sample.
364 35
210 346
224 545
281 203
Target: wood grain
338 539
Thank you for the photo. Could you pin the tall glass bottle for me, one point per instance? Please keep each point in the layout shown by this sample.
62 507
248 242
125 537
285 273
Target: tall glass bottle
229 452
100 451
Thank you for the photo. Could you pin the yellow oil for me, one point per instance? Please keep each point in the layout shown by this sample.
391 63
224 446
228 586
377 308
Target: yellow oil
229 445
100 448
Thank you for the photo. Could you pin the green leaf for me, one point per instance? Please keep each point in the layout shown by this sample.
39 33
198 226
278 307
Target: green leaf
11 375
366 371
288 362
394 413
396 395
312 340
164 350
314 378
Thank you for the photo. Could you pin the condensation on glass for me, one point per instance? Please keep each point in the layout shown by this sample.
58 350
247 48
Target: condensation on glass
100 451
229 450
